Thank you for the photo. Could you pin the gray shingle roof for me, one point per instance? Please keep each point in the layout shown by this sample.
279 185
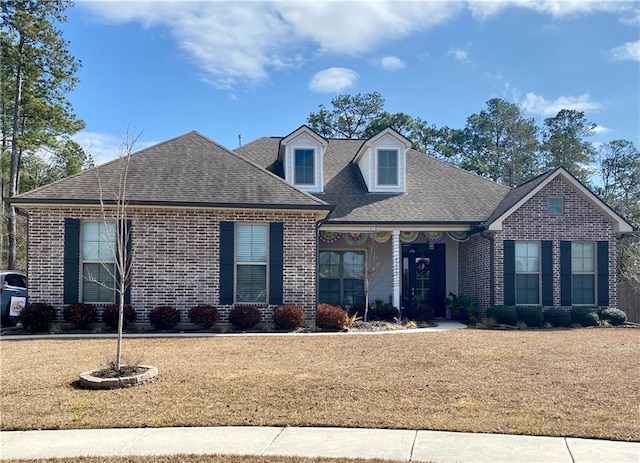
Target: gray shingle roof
515 195
187 170
436 191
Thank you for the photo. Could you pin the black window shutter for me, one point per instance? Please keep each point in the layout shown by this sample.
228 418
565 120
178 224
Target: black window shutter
71 279
226 262
127 291
509 272
565 273
547 273
276 238
603 273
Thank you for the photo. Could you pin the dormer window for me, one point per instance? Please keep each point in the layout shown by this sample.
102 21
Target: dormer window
304 166
382 160
302 153
387 167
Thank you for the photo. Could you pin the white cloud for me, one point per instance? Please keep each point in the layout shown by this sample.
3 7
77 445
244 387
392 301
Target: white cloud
629 51
333 80
461 54
631 18
554 8
601 129
241 43
537 104
392 63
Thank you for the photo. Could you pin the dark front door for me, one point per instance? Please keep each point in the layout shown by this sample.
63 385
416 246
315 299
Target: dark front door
423 278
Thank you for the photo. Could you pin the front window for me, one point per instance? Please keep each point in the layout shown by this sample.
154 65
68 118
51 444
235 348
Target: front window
98 262
527 272
341 277
583 273
387 167
251 263
304 167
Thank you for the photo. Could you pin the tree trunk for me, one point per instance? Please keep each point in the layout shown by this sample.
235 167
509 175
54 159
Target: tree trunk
15 158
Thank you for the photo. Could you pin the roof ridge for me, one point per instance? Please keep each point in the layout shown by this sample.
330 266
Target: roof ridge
262 169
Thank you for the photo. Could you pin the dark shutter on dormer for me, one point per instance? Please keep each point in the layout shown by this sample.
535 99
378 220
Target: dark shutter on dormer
71 278
603 273
276 237
226 262
509 272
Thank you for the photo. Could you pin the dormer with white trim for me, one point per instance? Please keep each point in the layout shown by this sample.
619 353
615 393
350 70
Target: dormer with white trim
382 160
302 159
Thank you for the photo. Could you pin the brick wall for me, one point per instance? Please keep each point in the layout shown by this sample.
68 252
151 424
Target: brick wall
474 263
580 221
175 256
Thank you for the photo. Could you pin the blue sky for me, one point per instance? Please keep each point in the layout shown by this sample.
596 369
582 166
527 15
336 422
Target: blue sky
259 68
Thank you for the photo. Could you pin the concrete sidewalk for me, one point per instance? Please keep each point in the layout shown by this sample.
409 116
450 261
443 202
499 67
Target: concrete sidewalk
403 445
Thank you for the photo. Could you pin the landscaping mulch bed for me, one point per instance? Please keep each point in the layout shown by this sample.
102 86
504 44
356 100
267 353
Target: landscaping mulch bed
580 383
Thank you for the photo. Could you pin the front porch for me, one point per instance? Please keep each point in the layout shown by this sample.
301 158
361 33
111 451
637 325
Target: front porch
402 266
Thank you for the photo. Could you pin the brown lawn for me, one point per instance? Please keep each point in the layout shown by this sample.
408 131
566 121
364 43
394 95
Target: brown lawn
582 383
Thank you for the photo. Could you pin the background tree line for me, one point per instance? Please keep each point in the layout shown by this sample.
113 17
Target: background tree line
37 120
502 144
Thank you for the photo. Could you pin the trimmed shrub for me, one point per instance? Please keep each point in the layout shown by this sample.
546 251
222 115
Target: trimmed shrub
424 312
331 317
385 312
558 318
164 317
584 316
37 316
81 315
288 316
204 315
110 315
614 316
503 314
532 316
357 309
244 316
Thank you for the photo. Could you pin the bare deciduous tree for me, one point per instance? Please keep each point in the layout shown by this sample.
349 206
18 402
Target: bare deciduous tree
114 210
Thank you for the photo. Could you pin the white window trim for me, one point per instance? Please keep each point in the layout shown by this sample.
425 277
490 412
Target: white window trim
315 166
84 261
538 272
593 272
236 264
377 168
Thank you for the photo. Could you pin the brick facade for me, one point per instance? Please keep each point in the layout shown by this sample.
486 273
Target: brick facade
175 254
580 221
474 264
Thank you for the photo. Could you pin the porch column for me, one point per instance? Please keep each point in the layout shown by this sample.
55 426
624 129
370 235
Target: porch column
395 264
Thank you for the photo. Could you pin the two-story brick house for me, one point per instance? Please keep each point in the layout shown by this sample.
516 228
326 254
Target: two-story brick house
299 218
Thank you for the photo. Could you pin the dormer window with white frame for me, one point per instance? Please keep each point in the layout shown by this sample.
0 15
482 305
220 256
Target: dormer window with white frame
304 166
382 161
387 166
302 159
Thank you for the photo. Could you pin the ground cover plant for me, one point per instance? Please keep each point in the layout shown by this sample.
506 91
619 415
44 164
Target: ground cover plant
517 382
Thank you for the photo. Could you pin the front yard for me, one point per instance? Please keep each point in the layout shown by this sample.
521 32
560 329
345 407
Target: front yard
581 383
